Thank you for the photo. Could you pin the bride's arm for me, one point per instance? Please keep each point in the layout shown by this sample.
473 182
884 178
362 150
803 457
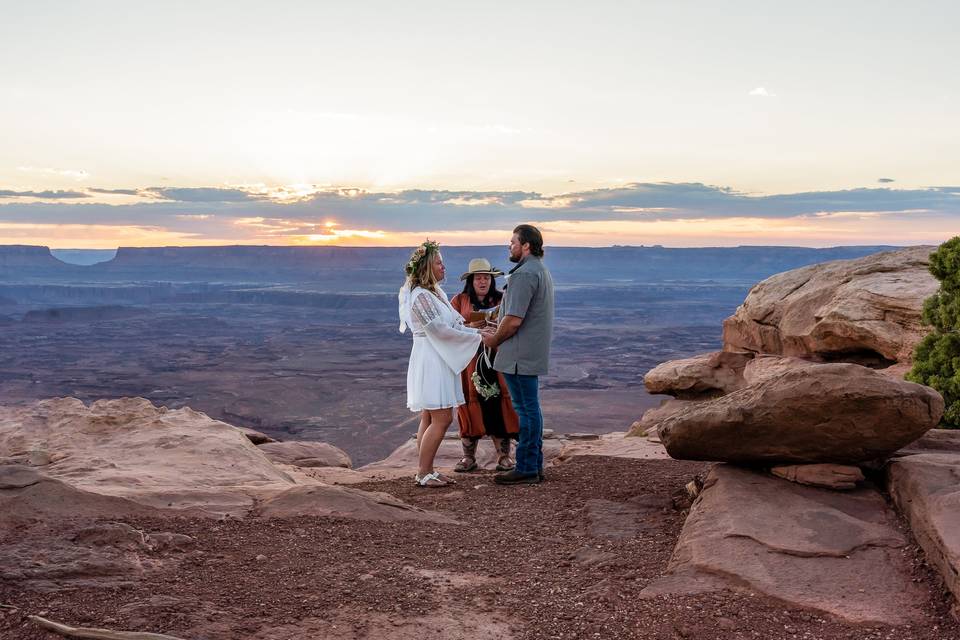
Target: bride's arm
455 343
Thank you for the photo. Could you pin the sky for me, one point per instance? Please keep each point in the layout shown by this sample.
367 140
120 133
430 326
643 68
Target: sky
380 123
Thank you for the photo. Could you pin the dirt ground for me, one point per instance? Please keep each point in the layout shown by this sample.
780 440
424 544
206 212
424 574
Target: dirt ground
564 559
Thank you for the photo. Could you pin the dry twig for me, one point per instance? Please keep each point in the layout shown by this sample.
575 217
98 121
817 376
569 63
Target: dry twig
98 634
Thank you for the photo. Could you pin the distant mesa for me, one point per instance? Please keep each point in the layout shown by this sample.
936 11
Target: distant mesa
17 255
378 264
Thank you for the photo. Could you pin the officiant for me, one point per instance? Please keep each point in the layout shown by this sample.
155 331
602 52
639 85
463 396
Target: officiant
488 410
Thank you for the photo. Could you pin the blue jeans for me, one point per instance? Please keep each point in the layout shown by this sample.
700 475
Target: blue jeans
525 395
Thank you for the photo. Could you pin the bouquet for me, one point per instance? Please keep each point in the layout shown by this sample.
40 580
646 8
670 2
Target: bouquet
486 389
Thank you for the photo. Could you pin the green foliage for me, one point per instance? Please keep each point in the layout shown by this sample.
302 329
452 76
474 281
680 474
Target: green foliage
936 360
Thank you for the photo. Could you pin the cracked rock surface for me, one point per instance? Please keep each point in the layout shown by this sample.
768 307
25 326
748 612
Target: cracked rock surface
838 553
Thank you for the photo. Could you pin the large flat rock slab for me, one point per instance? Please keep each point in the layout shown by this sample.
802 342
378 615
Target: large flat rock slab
133 449
616 445
926 489
837 552
809 413
934 441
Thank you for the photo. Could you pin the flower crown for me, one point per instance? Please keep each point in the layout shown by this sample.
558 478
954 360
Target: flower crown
419 254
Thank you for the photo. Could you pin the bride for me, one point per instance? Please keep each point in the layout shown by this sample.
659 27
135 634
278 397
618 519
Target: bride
442 348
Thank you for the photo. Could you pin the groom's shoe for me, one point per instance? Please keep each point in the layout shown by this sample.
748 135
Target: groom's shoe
515 477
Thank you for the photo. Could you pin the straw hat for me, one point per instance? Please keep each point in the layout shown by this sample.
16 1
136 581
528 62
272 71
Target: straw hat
480 265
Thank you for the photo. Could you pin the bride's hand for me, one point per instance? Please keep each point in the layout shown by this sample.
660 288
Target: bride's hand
477 324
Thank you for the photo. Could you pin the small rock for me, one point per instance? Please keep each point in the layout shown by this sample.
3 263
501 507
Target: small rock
726 624
828 476
14 476
260 558
39 458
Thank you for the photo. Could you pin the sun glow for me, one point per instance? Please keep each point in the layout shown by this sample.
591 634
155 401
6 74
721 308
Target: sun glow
96 236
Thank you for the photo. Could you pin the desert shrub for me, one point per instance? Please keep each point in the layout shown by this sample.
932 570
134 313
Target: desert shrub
936 360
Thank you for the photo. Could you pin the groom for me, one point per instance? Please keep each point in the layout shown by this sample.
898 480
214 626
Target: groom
523 342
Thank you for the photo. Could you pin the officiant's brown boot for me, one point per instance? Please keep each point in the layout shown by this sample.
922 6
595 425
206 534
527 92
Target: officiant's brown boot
502 446
468 462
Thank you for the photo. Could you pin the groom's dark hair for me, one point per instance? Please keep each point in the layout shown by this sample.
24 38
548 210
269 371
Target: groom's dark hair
529 234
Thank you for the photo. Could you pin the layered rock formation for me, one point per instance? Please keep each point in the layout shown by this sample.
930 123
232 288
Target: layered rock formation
852 310
138 458
810 384
926 489
861 312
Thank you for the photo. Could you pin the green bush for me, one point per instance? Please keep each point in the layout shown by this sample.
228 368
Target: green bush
936 360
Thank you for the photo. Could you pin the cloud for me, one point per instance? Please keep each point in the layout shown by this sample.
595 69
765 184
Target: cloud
356 215
200 194
46 195
885 180
686 200
118 192
76 174
762 92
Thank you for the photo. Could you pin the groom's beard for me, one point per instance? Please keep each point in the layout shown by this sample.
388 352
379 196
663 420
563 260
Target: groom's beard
514 258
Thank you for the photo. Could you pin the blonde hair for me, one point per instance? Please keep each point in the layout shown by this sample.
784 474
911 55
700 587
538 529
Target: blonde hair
419 268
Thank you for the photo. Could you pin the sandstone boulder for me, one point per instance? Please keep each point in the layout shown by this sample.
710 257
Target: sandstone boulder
840 413
926 489
828 476
306 454
863 310
709 373
837 552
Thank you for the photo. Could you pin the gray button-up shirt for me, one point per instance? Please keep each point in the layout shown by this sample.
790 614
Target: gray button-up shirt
529 295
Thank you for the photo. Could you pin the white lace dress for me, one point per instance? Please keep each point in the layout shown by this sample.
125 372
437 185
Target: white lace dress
442 348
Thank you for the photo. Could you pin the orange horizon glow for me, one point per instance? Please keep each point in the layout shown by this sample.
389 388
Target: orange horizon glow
831 230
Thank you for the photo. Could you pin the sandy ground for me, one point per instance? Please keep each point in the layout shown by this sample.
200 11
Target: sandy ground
564 559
